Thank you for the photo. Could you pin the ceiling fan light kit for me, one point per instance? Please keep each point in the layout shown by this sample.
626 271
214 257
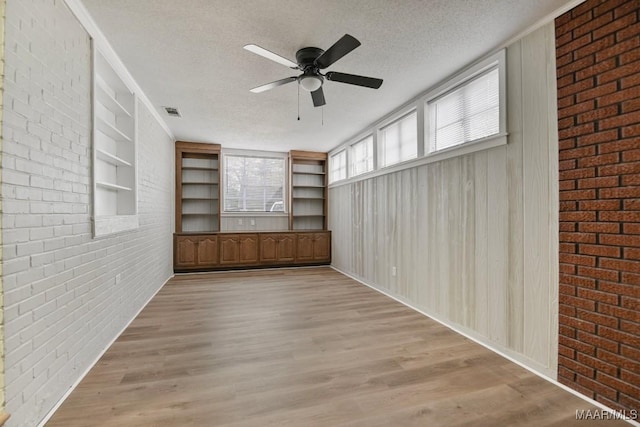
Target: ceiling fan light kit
310 61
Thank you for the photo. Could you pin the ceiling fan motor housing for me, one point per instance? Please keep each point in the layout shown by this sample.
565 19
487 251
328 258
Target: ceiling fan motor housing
307 56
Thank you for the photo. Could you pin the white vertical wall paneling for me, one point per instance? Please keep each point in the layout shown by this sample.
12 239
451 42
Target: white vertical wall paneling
470 236
553 210
536 188
515 292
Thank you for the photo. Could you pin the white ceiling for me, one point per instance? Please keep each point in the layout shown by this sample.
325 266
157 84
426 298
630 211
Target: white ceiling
188 54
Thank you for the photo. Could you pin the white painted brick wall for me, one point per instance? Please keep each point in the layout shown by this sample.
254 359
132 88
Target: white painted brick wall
62 303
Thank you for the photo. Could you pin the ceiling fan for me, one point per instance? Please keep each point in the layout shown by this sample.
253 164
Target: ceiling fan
310 61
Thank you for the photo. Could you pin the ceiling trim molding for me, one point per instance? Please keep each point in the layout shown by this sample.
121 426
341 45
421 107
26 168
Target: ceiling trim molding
85 19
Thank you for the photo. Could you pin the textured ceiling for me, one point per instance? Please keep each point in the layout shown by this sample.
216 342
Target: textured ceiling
188 54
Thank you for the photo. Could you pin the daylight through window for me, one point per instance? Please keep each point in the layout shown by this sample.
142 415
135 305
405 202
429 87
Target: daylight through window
253 184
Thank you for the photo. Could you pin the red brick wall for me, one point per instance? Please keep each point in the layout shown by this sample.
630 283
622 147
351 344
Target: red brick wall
598 71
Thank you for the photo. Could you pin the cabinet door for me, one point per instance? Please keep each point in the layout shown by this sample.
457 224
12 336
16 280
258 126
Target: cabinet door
321 247
229 250
268 248
248 249
186 251
286 249
304 251
208 251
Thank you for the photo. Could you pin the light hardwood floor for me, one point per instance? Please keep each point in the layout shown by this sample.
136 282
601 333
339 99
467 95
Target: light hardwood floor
302 347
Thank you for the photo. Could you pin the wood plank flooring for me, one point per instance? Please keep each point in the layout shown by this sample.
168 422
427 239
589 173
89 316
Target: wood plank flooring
302 347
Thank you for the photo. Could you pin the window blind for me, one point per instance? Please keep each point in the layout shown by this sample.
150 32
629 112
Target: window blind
399 140
253 184
338 166
362 156
468 113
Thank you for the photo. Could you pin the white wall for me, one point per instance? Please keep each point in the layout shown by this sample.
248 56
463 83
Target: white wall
66 294
473 238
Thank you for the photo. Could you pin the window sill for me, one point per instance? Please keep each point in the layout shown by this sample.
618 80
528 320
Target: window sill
108 225
437 156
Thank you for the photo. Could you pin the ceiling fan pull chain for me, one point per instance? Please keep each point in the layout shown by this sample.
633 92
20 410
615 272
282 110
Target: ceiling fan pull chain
298 102
323 115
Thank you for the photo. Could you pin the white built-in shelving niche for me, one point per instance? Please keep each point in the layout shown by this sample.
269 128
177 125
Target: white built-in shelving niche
308 188
114 150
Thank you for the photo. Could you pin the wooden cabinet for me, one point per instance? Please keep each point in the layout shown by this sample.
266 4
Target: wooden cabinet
313 247
219 251
195 251
238 249
308 200
197 187
277 248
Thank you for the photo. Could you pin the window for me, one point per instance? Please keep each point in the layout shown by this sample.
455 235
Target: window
253 183
338 166
362 156
467 113
399 140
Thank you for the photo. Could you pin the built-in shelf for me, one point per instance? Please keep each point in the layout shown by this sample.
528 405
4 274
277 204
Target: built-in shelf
111 158
308 190
114 150
197 187
111 186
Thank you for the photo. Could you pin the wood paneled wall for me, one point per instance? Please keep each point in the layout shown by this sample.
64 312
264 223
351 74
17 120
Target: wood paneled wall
473 238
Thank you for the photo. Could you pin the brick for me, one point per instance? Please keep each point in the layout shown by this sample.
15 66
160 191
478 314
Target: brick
584 282
566 351
598 92
628 32
618 24
599 227
566 164
618 96
619 264
631 180
630 105
600 389
631 155
600 182
576 367
565 81
619 336
594 47
629 84
578 237
617 384
631 228
583 129
577 345
619 193
601 113
599 205
593 24
573 301
577 173
598 365
597 318
567 268
567 185
566 331
619 312
574 23
625 8
619 120
631 303
569 248
577 108
580 86
578 324
631 205
598 342
617 49
599 160
587 194
576 153
633 354
578 216
598 137
578 259
620 145
623 216
595 69
630 131
630 278
566 144
572 66
599 250
598 273
568 205
621 169
630 327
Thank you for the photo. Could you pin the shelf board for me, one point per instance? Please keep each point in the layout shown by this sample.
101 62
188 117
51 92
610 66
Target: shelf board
105 98
199 183
111 131
308 198
308 173
199 214
307 186
308 216
198 168
110 158
111 186
208 199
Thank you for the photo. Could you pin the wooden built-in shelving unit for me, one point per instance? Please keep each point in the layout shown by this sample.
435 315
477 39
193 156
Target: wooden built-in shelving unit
308 195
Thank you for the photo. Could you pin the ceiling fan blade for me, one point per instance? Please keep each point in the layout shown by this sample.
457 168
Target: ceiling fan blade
339 49
318 97
352 79
273 84
270 55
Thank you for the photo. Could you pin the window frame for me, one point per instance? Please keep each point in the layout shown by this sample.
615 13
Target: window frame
332 157
352 158
396 118
466 76
255 154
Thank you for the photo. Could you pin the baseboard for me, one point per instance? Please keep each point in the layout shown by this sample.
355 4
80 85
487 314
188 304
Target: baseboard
489 346
92 364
